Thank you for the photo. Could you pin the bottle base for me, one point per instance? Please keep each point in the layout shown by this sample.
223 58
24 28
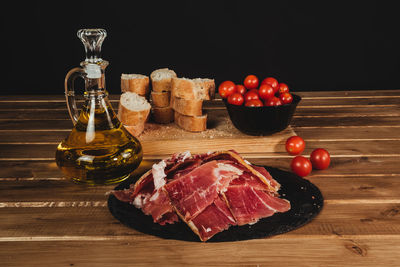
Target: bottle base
100 181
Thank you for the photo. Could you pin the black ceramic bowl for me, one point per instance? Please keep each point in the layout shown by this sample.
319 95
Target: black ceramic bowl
262 120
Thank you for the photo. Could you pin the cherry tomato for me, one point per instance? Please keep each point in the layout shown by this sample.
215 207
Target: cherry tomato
236 99
301 166
295 145
283 88
253 103
273 101
251 82
271 81
320 159
286 98
266 91
251 95
240 89
226 88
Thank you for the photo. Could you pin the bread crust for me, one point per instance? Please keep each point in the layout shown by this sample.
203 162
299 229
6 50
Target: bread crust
191 123
200 89
163 114
135 130
160 99
136 85
132 117
189 107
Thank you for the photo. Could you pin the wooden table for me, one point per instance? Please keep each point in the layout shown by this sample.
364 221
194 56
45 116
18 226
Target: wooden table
46 220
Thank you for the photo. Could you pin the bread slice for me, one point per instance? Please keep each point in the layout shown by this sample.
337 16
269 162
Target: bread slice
160 99
191 123
163 115
190 107
136 83
201 89
135 130
161 79
133 109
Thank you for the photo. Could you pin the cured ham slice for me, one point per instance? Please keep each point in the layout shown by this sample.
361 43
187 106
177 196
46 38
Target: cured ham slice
215 218
198 189
248 205
209 192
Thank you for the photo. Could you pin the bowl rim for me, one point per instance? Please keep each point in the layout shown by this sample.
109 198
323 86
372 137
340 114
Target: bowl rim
296 100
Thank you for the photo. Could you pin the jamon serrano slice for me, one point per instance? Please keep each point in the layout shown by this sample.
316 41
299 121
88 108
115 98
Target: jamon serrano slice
195 191
214 219
248 205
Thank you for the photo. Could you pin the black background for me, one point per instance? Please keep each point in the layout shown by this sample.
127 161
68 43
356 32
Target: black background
318 45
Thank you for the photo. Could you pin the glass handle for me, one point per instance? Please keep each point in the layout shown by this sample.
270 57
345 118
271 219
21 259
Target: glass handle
70 92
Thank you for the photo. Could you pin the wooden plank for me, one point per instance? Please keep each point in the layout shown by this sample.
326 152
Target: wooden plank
96 220
53 192
251 148
370 121
340 251
363 111
340 166
343 93
327 133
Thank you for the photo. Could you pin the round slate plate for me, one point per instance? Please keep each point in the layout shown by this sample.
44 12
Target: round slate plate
305 198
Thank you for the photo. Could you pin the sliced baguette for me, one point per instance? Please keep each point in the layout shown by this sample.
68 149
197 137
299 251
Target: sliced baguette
161 79
133 109
189 107
136 83
163 115
201 89
191 123
160 99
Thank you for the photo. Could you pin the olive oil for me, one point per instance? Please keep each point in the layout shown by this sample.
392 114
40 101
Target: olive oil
98 150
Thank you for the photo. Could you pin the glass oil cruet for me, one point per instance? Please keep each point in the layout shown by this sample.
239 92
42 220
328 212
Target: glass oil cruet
98 150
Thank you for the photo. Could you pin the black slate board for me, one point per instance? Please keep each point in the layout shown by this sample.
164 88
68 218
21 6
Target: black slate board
305 198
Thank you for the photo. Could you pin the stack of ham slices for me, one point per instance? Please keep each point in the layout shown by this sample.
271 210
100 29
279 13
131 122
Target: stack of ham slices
209 192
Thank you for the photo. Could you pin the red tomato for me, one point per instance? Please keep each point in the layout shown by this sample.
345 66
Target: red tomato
236 99
320 159
240 89
226 88
295 145
283 88
251 95
301 166
271 81
254 103
266 91
273 101
251 82
286 98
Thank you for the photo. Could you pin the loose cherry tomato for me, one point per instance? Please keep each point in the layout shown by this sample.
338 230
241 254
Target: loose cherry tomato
236 99
251 95
286 98
273 101
320 159
240 89
253 103
301 166
226 88
283 88
251 82
271 81
295 145
266 91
